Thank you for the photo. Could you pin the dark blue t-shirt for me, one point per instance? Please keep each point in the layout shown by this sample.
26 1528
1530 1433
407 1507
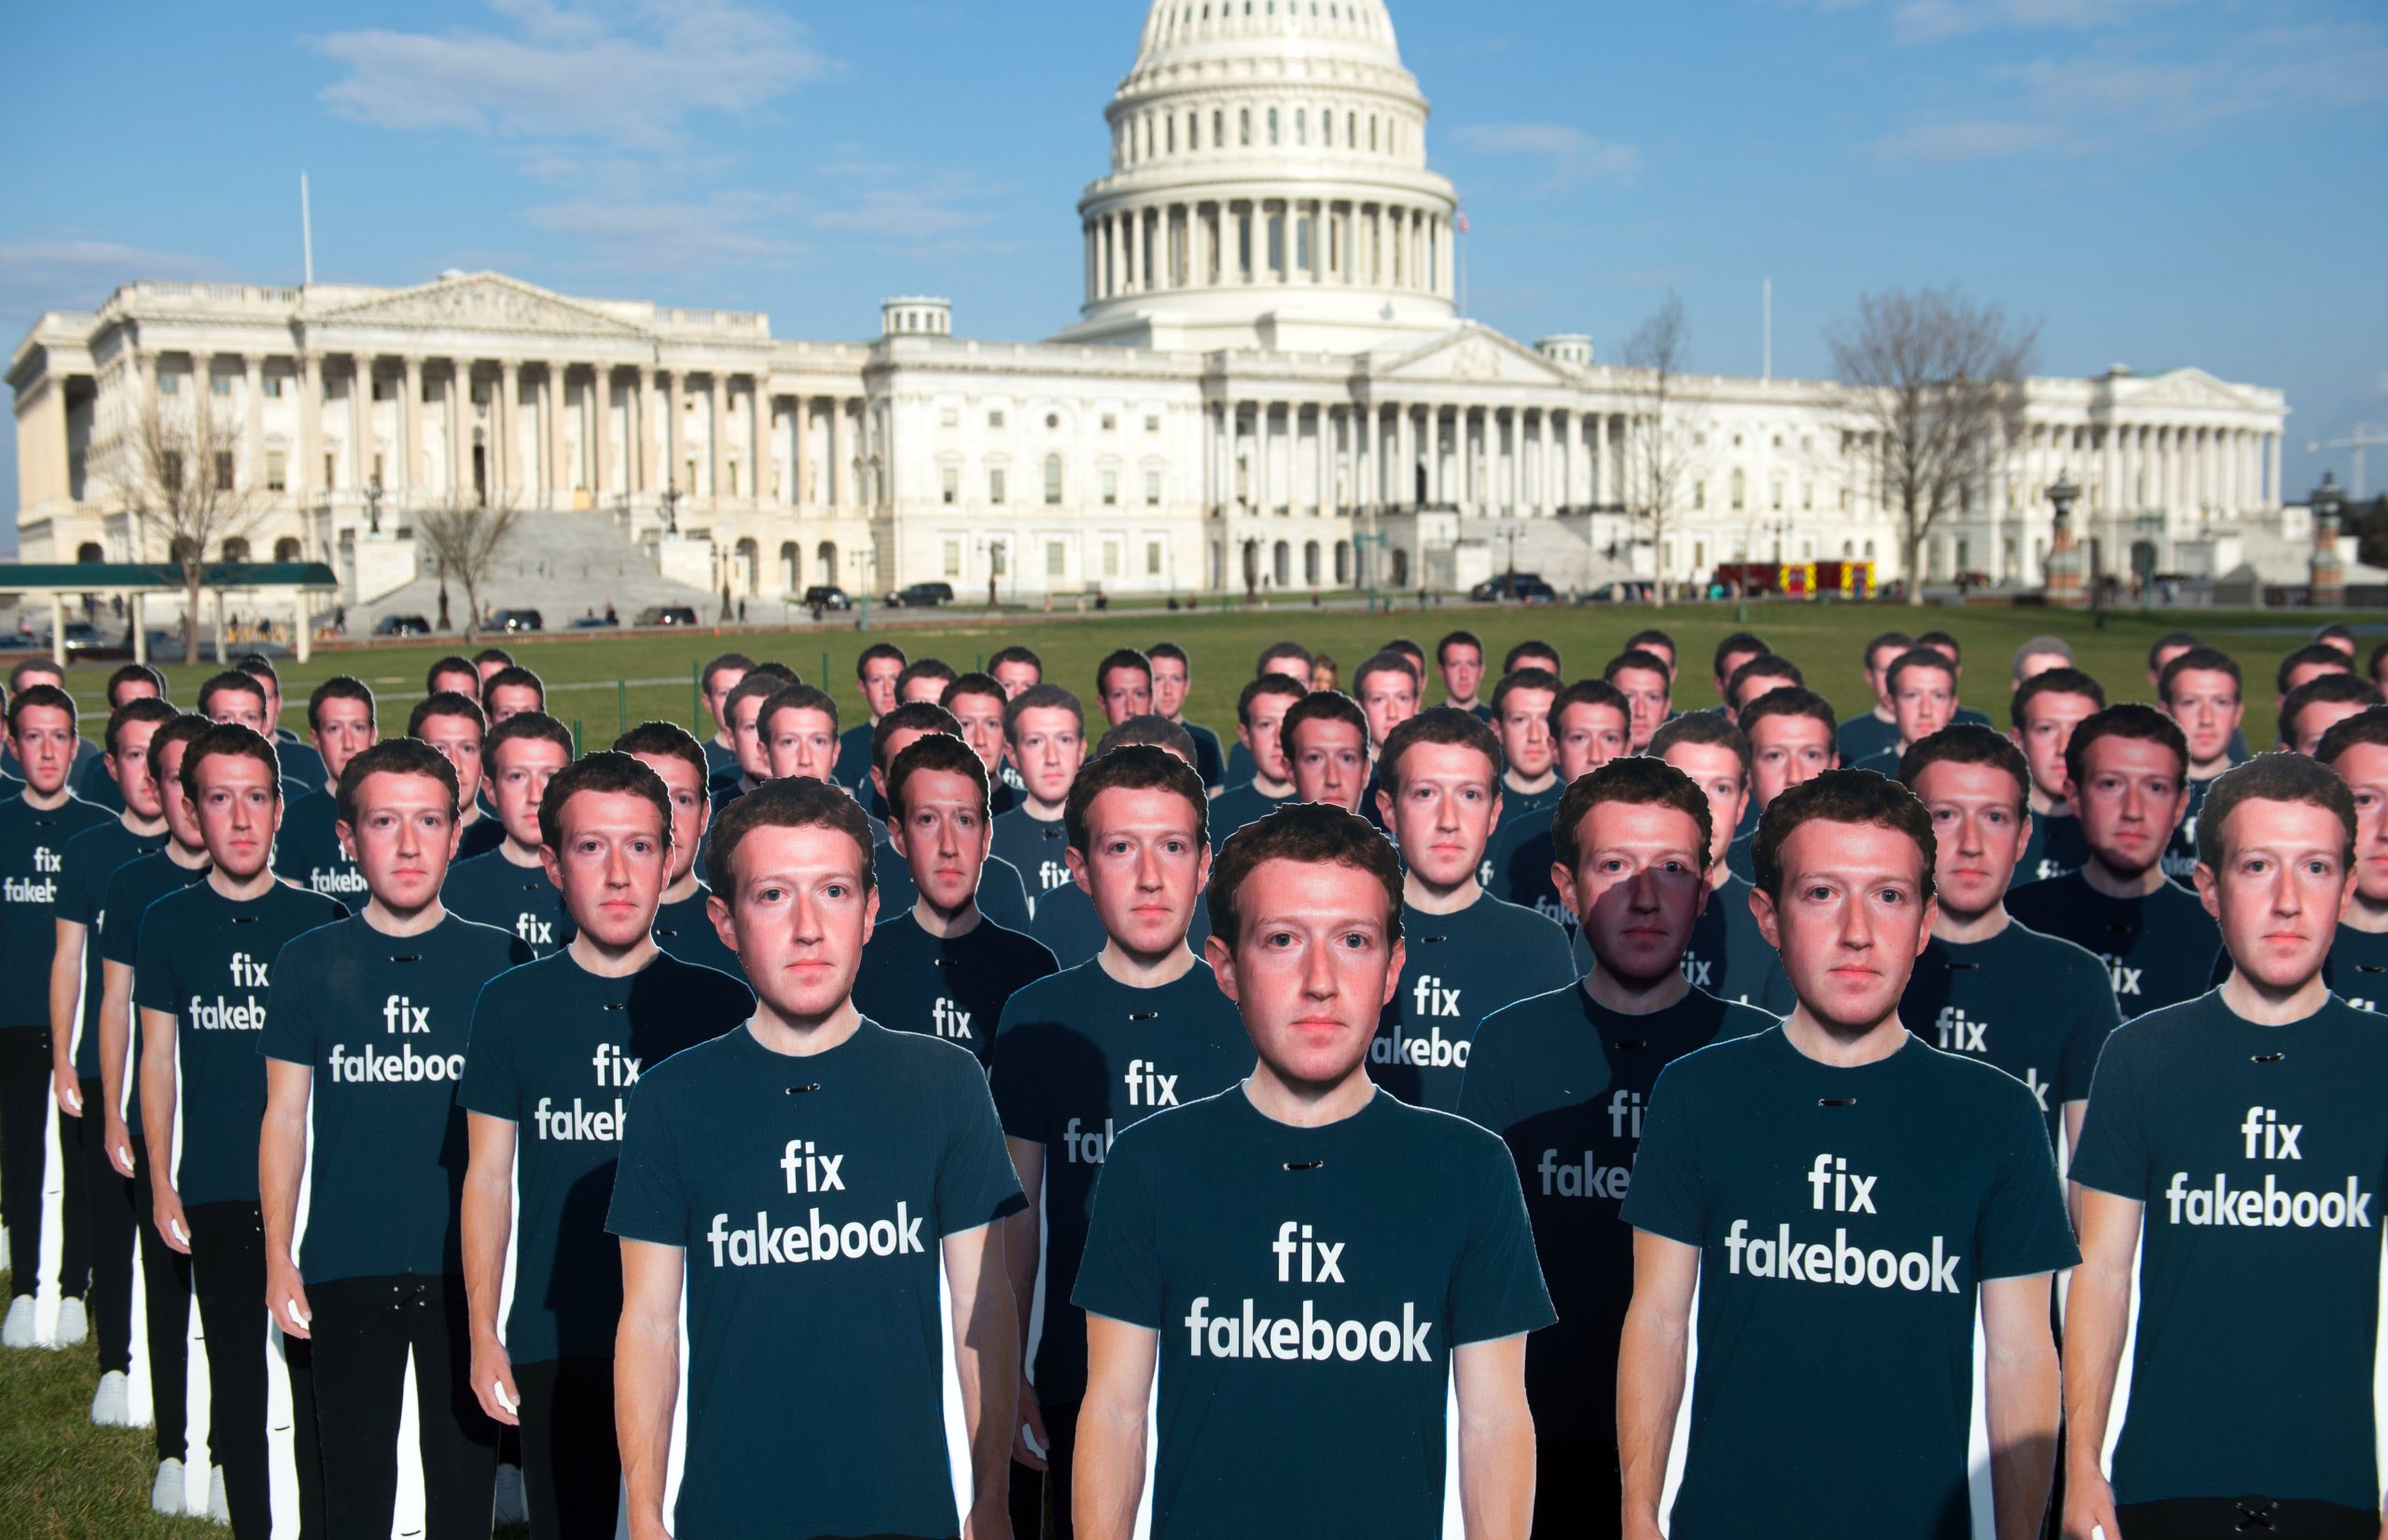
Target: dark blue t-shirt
1067 925
2158 950
1460 968
1079 1057
490 890
1846 1219
1034 847
952 987
1240 804
686 930
92 862
809 1196
1002 897
383 1022
1727 956
2356 969
2056 849
206 960
1209 762
1516 868
135 885
558 1051
2260 1154
308 850
2036 1007
33 861
854 756
1865 735
1309 1286
1564 1080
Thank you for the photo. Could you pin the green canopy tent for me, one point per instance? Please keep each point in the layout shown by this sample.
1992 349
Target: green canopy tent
58 581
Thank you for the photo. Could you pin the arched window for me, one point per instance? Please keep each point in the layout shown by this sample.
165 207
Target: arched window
1400 569
236 549
90 551
1310 564
1272 125
1301 125
1052 479
824 561
286 549
1281 563
791 567
1741 489
1342 563
750 567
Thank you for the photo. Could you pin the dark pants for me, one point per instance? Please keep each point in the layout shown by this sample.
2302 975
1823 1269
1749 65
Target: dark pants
362 1332
1035 1496
112 1222
1577 1492
228 1273
24 1151
572 1469
2232 1518
165 1273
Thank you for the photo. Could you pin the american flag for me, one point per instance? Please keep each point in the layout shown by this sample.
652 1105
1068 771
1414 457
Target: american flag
1461 220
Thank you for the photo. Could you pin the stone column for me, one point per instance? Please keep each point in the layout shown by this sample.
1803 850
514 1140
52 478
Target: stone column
601 433
410 425
306 379
718 432
253 429
360 419
1136 251
759 442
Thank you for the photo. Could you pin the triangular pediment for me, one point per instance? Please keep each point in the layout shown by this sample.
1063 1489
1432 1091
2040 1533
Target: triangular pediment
2184 387
480 301
1471 355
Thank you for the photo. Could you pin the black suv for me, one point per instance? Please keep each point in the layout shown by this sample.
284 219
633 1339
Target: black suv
826 596
667 615
1526 588
517 620
923 596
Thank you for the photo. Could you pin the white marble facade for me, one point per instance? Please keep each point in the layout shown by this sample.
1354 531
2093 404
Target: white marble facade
1268 378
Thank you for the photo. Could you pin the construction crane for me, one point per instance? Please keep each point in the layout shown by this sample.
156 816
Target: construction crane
2364 436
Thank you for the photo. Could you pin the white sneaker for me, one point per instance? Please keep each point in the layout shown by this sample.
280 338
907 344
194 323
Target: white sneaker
17 1331
74 1324
219 1511
109 1407
166 1494
512 1508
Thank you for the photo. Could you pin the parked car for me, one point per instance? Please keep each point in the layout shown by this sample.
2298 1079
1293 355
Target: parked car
923 596
1525 588
1630 590
517 620
81 636
594 622
667 615
402 625
827 596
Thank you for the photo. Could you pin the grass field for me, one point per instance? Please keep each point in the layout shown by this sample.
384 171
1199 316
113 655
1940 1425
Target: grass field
602 682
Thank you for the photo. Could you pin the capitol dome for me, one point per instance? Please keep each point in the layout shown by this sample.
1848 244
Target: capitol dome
1269 186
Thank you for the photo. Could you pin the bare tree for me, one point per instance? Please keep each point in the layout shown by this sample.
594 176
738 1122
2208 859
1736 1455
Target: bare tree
1661 446
177 474
1936 380
465 535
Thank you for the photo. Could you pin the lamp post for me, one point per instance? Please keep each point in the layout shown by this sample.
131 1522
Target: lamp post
670 499
864 559
373 506
1361 543
2064 564
2328 569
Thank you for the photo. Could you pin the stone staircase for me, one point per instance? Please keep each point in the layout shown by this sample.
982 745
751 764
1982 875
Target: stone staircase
563 565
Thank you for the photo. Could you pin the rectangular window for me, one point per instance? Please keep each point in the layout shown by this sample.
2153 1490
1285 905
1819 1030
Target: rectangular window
224 471
1111 489
1152 423
276 476
1053 480
220 385
1056 559
1700 495
273 387
952 477
949 417
953 558
994 419
1152 488
1152 558
1110 421
1111 559
733 479
377 464
382 391
995 486
170 384
170 467
330 467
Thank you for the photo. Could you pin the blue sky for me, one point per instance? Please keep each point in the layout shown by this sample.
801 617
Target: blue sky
2157 182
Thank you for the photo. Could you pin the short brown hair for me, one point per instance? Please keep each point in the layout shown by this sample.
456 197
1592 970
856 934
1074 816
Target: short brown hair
1797 700
665 740
1312 834
910 716
1448 726
230 679
514 676
393 757
141 708
1151 729
340 686
49 696
2131 719
2272 778
1527 679
1642 780
605 770
1322 705
1713 729
1138 767
982 684
2064 681
2328 689
937 751
1840 797
792 697
228 739
1041 697
1920 657
535 724
446 704
2364 727
790 802
1969 744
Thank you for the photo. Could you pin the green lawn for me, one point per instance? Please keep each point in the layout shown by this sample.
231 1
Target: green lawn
601 682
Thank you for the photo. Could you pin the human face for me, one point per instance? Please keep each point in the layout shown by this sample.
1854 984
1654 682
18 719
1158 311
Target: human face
1590 736
2305 673
897 743
236 705
2318 717
521 769
273 688
1388 697
1757 685
130 766
1462 670
1666 655
2164 656
745 734
877 684
1016 677
1169 688
1716 770
132 689
1637 888
1646 690
1296 669
182 814
403 839
2048 721
2131 798
1314 967
1444 813
2282 891
240 808
1048 745
2037 663
487 667
1145 866
923 687
464 682
801 741
983 727
942 835
1330 764
1125 692
1786 750
44 739
2206 704
795 911
1525 732
717 688
1733 662
511 700
1978 833
1877 673
343 728
2344 644
692 810
1852 922
1923 700
1542 660
2365 770
611 865
458 739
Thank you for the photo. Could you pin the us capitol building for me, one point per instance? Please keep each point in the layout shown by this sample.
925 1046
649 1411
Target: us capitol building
1268 384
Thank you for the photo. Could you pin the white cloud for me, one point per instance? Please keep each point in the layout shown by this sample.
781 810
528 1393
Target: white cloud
76 273
1570 153
627 72
1935 20
726 229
